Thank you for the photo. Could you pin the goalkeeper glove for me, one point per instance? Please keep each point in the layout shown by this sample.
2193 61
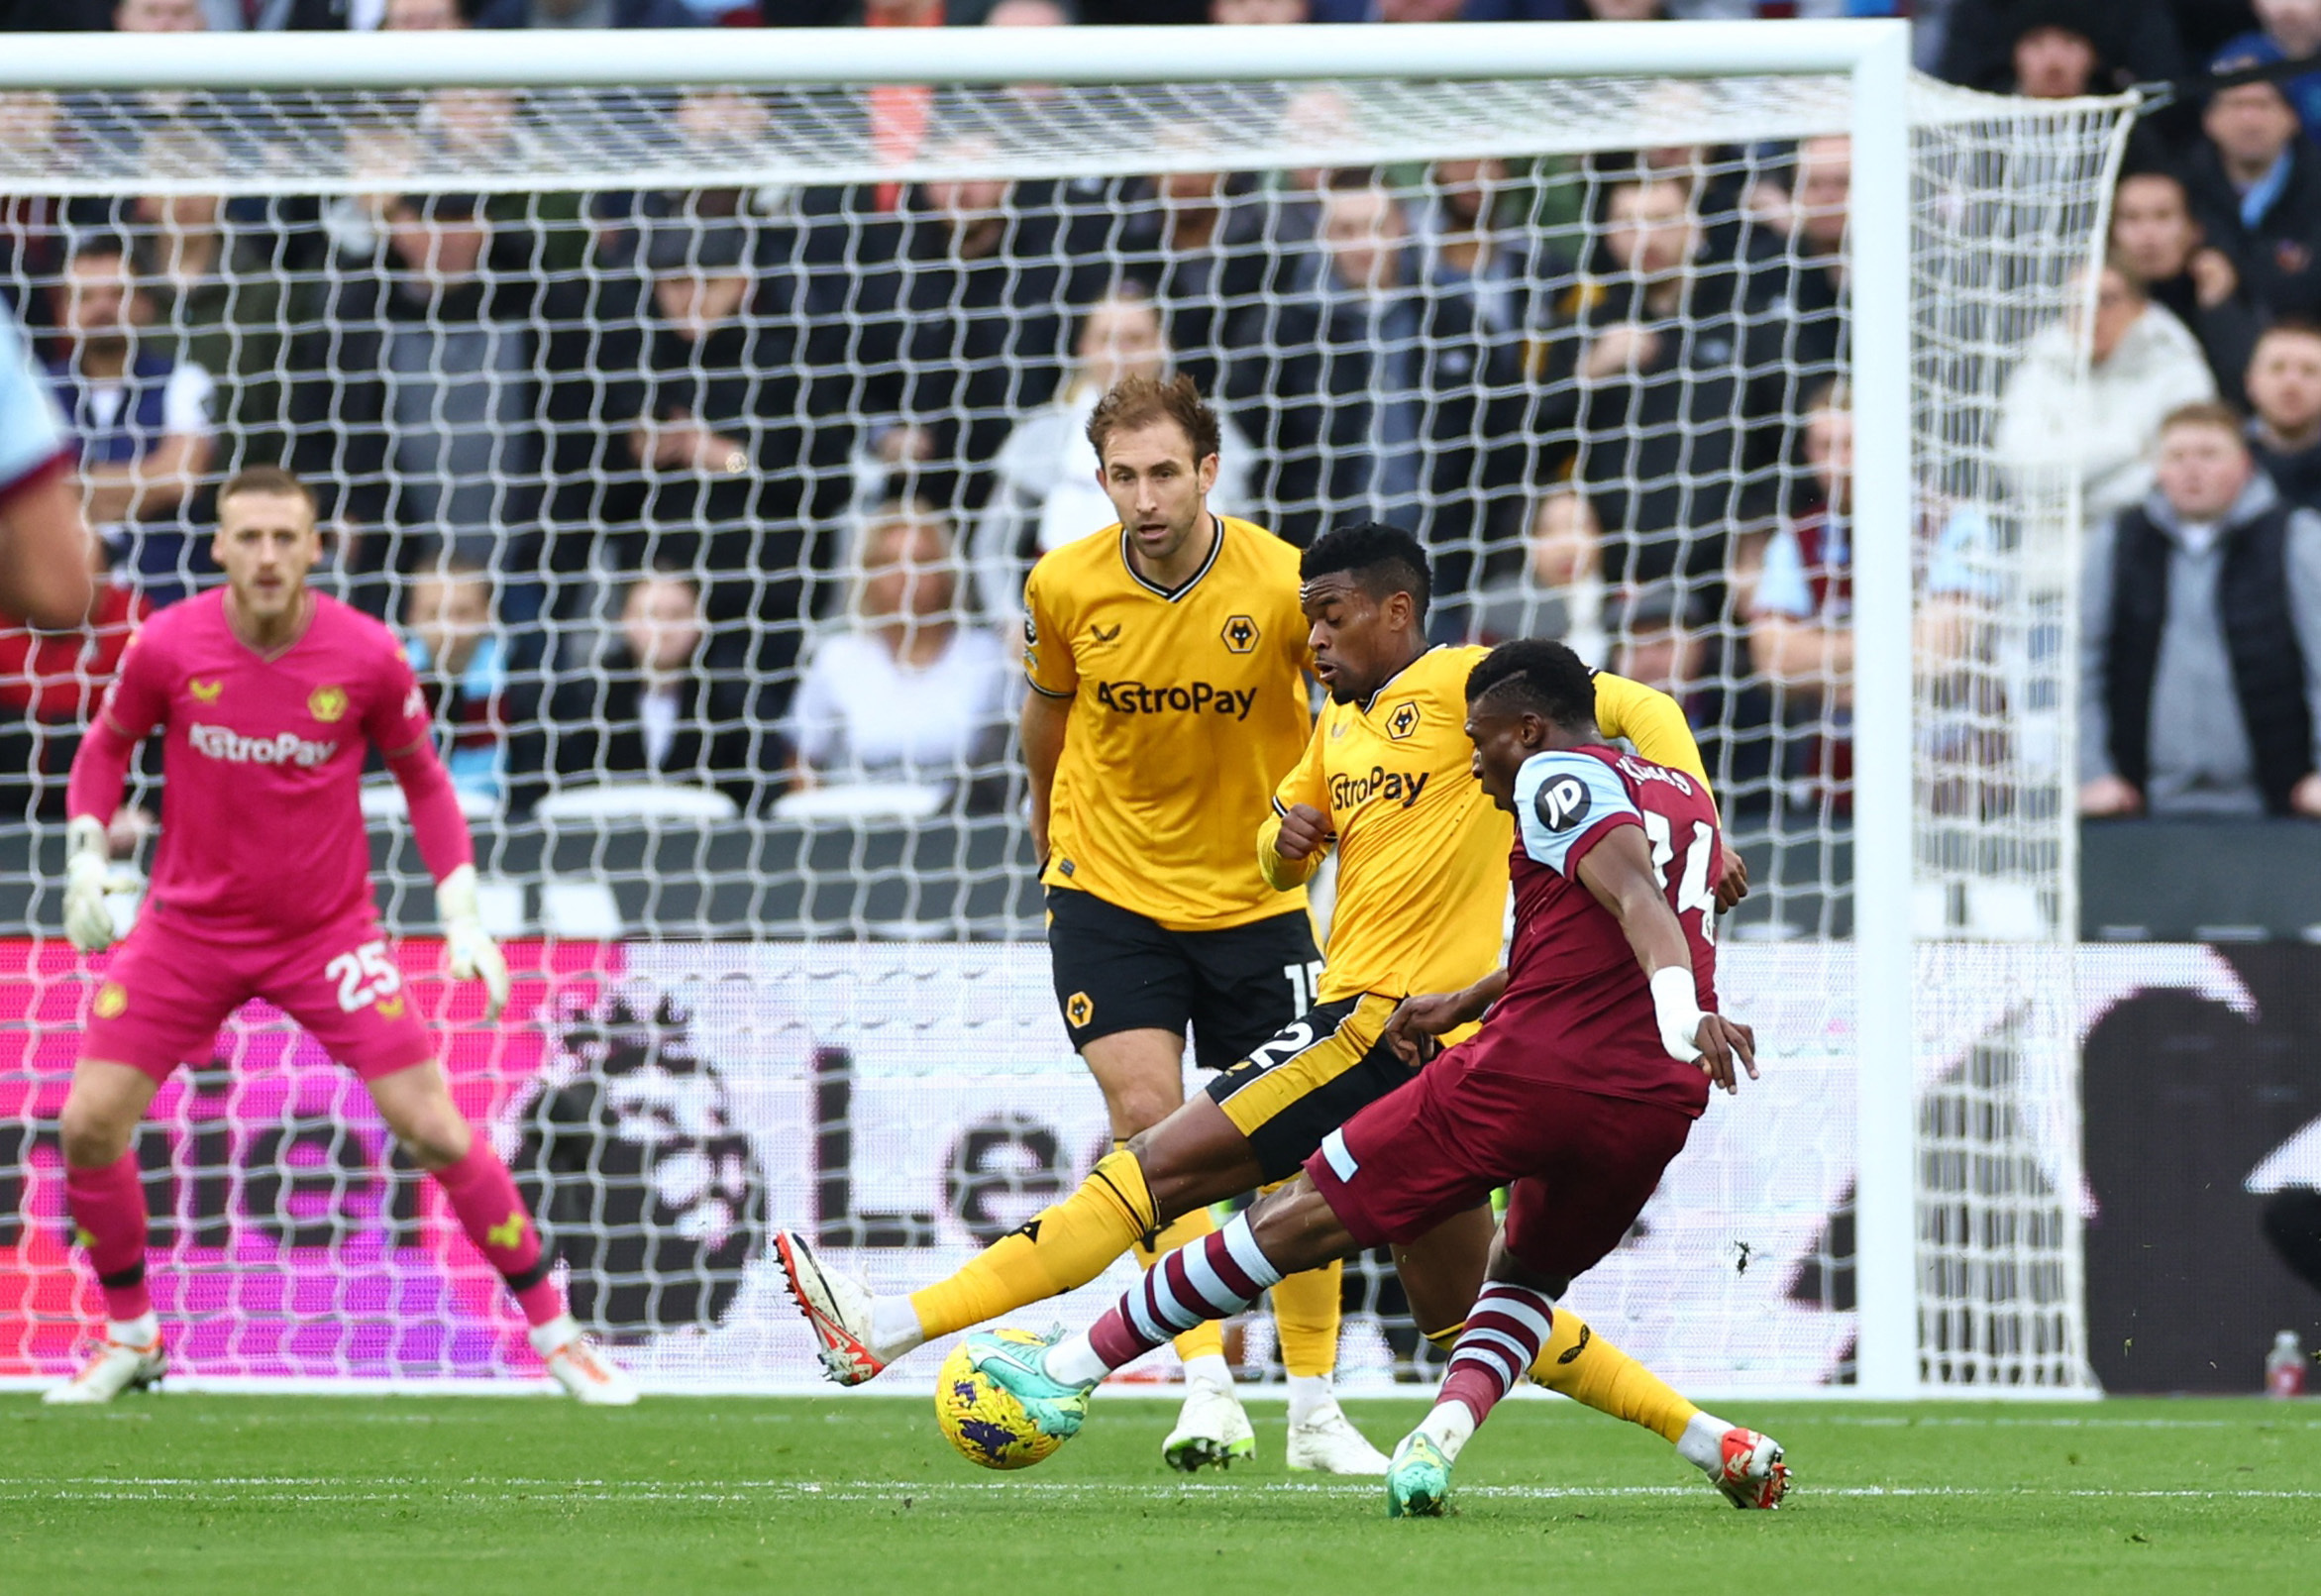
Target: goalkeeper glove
91 882
472 953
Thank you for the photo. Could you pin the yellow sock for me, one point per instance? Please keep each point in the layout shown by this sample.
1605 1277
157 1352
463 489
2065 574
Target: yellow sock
1067 1246
1587 1367
1305 1309
1445 1339
1207 1339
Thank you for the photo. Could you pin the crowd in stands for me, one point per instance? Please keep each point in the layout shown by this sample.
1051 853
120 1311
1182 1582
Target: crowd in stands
735 489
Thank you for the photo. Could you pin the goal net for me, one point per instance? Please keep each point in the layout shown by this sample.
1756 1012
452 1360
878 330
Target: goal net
699 438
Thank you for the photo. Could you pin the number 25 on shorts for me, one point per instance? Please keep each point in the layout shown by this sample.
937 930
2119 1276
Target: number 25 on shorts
363 976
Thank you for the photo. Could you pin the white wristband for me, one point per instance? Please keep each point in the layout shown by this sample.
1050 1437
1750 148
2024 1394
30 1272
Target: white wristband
1679 1015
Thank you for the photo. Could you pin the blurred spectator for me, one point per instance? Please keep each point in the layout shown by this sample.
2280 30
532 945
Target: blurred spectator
2155 238
1047 490
31 241
2200 640
662 704
217 302
482 681
2055 54
1197 241
1476 238
2254 184
2143 365
2288 30
1258 12
144 419
414 383
422 16
957 328
1673 394
2284 388
1559 592
906 693
2137 42
50 682
718 434
1030 14
584 14
1798 297
1377 399
1662 637
160 16
1801 612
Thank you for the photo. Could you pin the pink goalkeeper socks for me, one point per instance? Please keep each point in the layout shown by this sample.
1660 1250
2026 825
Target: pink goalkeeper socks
491 1210
107 1206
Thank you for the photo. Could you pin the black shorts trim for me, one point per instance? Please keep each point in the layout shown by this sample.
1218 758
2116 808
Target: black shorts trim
1117 970
1324 1068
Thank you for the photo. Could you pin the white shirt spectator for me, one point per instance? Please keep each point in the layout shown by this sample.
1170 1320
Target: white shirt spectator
861 714
2047 420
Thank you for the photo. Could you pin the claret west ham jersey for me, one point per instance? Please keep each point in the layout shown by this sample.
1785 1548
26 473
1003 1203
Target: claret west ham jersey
1578 1010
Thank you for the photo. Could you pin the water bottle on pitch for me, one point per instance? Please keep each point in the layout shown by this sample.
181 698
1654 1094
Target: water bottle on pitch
2284 1366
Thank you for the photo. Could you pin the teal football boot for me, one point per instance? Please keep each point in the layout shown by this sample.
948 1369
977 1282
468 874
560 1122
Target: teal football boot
1417 1478
1054 1408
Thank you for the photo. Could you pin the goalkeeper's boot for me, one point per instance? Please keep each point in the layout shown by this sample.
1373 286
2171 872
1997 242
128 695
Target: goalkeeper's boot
130 1358
1417 1478
1326 1442
837 1309
1211 1431
1749 1470
580 1365
1021 1367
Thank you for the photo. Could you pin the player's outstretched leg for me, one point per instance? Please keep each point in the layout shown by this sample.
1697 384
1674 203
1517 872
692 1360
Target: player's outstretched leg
1217 1277
1578 1362
1501 1341
419 1110
1063 1247
1745 1466
105 1198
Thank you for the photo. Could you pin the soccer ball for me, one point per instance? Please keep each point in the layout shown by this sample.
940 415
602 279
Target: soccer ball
983 1418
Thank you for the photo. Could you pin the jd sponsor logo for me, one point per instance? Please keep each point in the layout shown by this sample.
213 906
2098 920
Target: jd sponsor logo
285 748
1200 698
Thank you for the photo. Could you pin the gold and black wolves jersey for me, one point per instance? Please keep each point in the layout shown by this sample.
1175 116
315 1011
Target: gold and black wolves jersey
1186 709
1422 852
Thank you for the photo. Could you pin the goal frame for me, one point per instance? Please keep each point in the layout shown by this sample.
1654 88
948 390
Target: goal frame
1873 54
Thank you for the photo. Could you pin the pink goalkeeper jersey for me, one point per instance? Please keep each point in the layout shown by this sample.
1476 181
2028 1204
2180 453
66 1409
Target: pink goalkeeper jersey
262 826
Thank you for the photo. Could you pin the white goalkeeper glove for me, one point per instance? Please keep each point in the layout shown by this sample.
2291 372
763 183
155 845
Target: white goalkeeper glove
91 882
1674 1005
473 954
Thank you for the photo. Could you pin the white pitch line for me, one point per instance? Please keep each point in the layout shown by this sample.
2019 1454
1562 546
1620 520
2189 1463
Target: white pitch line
290 1488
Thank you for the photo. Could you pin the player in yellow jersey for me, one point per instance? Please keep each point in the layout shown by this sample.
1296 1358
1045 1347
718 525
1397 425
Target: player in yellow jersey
1421 895
1166 657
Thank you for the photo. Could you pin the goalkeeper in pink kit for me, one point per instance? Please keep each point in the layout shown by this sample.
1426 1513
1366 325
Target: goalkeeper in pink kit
267 697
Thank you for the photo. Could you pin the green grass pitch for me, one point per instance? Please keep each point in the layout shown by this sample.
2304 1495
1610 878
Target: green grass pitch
860 1497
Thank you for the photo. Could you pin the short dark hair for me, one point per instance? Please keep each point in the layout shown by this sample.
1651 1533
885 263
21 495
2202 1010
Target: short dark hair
2201 413
97 243
268 480
1383 559
1543 677
1139 401
2291 327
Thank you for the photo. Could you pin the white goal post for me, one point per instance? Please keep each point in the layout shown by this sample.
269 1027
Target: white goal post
1970 224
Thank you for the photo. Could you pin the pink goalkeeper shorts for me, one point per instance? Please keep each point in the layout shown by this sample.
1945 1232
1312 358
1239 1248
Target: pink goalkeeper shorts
168 990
